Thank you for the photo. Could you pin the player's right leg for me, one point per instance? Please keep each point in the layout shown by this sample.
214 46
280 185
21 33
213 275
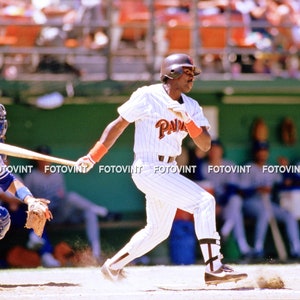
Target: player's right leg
160 216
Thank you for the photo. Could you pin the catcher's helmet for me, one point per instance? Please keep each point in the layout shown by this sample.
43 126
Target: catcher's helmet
3 122
172 66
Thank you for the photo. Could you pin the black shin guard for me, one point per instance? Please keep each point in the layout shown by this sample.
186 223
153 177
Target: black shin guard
210 254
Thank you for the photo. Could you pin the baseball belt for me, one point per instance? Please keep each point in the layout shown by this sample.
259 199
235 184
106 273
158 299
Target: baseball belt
167 159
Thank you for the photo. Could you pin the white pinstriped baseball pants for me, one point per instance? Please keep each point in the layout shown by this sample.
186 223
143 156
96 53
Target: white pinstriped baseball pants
165 192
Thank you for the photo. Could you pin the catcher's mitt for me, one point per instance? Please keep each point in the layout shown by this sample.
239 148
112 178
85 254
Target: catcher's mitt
37 215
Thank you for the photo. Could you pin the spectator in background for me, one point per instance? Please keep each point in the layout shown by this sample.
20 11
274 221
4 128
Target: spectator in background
197 158
51 15
88 13
290 180
225 188
257 187
183 6
67 206
274 25
288 189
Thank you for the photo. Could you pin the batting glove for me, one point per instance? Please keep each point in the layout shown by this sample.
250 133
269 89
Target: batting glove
85 164
180 111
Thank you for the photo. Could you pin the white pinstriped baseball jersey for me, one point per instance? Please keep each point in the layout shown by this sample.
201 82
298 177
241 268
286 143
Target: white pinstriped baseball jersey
157 130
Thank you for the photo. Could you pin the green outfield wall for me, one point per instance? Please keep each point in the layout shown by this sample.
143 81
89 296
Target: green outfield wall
73 128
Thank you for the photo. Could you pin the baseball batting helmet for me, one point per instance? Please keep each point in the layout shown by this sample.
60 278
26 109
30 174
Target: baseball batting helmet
172 66
3 121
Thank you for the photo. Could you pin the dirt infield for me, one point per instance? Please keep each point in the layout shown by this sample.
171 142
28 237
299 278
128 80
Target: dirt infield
151 282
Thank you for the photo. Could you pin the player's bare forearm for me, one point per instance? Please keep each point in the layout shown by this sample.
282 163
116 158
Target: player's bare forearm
14 186
203 141
109 136
112 132
17 185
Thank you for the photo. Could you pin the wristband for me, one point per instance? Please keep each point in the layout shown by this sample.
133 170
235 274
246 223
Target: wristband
97 152
22 193
193 129
90 159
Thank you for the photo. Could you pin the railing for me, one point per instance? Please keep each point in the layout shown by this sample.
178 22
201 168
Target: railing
139 34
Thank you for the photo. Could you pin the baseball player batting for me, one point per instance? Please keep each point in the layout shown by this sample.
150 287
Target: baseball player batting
163 117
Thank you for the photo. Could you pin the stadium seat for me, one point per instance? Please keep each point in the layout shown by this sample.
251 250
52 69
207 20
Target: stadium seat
215 31
133 17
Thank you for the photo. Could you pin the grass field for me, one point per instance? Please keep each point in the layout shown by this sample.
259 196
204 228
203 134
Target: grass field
265 281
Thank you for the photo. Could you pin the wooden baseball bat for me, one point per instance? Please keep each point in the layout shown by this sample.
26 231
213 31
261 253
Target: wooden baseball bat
278 241
16 151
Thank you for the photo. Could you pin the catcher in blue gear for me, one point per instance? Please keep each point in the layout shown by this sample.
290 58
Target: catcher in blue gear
38 212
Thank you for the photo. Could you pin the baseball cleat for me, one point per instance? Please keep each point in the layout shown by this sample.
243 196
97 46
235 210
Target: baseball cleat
109 273
222 275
